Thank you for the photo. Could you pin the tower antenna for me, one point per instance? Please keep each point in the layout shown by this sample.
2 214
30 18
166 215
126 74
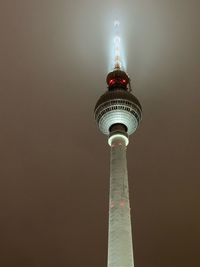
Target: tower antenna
117 46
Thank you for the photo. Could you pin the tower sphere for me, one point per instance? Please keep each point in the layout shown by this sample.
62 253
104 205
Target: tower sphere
118 105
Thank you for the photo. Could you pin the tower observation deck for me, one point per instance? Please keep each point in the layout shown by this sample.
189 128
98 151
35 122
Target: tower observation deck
118 114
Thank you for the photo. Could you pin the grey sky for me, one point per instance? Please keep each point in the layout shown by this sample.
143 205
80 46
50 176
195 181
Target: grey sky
54 164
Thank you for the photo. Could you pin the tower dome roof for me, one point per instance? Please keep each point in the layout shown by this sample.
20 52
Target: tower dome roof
117 78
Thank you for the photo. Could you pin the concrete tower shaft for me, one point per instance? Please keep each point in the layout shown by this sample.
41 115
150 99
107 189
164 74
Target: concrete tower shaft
120 250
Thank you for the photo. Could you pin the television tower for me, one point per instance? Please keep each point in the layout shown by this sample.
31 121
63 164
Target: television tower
118 114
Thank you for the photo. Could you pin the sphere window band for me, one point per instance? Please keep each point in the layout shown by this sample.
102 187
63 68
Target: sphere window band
132 109
116 102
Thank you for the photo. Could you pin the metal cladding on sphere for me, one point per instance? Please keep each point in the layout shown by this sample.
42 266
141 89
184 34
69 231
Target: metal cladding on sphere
118 105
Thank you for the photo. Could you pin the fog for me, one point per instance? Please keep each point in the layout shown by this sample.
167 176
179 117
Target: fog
54 163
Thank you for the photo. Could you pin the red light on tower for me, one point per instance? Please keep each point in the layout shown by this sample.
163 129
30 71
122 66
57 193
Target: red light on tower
117 79
111 82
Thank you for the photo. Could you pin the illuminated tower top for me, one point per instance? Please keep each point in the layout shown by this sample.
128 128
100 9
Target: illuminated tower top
118 105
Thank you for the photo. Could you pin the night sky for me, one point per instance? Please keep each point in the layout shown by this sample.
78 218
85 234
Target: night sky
54 163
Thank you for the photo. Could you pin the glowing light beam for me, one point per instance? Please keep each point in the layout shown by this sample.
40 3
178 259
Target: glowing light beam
117 46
